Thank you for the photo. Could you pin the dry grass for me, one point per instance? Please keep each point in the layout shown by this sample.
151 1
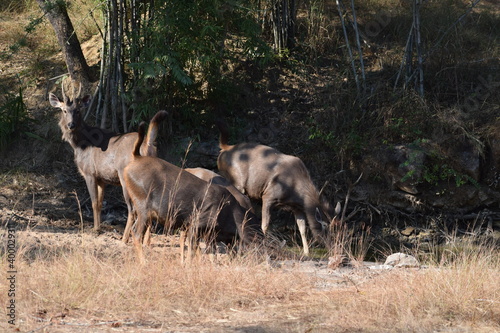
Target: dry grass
33 42
91 282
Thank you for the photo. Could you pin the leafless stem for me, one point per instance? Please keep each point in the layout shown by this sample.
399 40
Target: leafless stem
348 45
348 195
79 210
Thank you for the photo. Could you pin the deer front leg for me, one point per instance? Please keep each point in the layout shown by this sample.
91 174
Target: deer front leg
266 214
96 192
301 223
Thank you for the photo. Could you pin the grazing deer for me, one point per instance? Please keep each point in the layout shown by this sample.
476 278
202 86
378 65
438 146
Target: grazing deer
181 200
100 155
280 180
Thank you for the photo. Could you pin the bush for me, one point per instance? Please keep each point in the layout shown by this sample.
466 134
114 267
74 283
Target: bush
12 115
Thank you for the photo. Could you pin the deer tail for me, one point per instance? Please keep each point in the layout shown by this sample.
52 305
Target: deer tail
140 139
224 134
153 132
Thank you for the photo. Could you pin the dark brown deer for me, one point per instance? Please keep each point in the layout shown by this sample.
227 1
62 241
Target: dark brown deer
100 155
177 199
264 173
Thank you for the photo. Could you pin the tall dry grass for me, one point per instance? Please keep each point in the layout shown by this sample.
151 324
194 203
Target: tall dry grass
91 281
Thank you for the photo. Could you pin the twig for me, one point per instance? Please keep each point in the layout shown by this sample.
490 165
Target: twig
79 210
405 56
349 190
323 188
59 76
352 281
33 204
40 328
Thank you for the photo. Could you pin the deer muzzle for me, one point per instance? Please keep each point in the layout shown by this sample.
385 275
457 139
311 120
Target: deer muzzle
71 125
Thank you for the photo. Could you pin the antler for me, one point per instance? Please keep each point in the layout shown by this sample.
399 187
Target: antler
77 95
65 98
79 90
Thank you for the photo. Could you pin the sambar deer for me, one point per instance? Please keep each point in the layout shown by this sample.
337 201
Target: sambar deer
100 154
264 173
179 199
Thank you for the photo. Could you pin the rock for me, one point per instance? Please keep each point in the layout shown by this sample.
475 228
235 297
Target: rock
404 166
402 260
337 261
408 231
380 267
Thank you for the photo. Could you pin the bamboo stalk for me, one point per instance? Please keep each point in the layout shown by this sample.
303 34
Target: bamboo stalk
107 75
418 45
348 46
360 50
405 57
120 66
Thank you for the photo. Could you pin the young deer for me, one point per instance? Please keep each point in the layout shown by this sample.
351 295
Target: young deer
179 199
100 155
280 180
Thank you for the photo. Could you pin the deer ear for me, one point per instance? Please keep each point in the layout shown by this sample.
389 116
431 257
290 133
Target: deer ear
319 219
338 208
54 101
86 100
317 215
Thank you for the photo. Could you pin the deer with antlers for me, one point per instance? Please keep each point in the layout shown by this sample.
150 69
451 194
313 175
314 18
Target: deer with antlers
100 154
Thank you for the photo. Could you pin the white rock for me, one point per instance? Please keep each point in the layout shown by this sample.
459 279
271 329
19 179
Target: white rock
402 260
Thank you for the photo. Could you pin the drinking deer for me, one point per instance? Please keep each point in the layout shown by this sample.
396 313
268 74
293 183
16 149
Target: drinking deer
280 180
100 154
179 199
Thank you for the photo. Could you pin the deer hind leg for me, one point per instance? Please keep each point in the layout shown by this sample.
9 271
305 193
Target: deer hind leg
301 223
137 236
266 214
130 214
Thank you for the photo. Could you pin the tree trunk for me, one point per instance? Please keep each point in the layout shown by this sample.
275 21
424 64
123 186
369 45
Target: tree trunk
75 61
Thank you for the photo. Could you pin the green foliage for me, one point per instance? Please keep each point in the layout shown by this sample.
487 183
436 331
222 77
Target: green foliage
182 54
435 173
12 115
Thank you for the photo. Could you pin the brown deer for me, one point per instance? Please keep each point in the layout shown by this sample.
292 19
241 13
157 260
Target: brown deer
179 199
100 155
264 173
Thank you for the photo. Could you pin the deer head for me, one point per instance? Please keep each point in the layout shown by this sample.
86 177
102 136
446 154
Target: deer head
71 117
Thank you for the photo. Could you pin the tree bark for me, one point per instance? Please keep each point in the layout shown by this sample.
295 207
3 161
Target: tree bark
56 12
